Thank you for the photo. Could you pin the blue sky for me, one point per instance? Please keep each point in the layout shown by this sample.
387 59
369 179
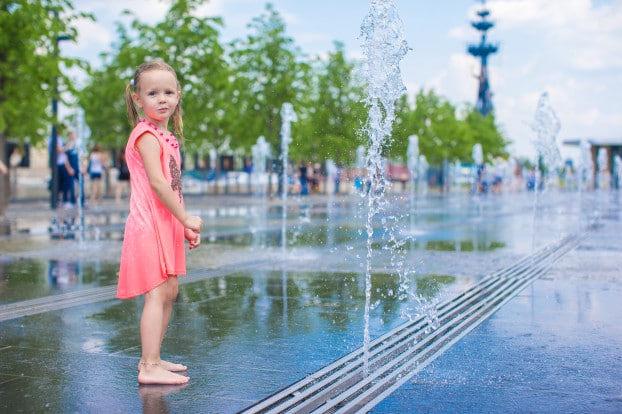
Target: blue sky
571 49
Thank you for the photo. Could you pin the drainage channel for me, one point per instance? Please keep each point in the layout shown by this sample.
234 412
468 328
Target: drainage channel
360 380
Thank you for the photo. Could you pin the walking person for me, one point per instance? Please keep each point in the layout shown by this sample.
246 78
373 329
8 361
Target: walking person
153 253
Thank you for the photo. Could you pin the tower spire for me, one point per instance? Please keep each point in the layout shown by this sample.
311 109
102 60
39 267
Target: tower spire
482 50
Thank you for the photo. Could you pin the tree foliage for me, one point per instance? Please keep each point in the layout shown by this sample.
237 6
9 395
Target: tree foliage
231 93
270 71
30 65
191 45
444 134
332 111
32 73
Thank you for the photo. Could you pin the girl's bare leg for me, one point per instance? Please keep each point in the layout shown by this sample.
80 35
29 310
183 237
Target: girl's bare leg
173 289
151 369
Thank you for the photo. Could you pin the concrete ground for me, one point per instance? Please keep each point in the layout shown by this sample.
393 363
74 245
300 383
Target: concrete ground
249 322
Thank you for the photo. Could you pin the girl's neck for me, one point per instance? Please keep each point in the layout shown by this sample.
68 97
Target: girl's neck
162 125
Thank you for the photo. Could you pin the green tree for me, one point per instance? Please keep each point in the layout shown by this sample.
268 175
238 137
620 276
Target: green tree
31 70
443 135
191 46
333 111
270 71
431 111
403 127
484 130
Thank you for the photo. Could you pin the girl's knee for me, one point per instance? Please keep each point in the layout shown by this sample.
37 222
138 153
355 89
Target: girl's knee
172 294
172 288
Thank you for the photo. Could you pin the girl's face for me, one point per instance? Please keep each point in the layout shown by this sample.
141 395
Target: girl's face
157 95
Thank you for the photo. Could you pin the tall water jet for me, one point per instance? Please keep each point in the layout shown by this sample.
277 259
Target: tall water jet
383 46
287 117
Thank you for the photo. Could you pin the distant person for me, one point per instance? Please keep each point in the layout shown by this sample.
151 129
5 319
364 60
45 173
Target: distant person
73 158
3 171
96 169
302 178
16 158
153 253
123 178
65 171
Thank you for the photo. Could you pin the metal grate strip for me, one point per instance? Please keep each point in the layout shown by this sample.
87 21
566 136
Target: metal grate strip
393 358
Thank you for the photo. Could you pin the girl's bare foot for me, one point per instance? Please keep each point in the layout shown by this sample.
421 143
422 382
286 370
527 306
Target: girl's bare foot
153 373
169 366
173 367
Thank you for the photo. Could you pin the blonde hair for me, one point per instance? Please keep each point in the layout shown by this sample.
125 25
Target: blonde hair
132 112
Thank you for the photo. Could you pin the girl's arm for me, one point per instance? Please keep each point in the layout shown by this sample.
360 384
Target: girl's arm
149 150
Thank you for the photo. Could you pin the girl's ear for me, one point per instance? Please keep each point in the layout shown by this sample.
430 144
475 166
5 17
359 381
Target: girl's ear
136 99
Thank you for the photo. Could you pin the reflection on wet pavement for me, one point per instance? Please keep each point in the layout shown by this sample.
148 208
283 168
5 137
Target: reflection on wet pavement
251 319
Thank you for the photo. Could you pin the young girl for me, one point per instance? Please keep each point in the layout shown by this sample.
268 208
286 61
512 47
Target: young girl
153 247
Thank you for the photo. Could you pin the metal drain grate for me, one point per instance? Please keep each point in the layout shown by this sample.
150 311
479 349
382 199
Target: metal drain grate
392 359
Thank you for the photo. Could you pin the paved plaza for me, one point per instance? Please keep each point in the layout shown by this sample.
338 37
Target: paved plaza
255 316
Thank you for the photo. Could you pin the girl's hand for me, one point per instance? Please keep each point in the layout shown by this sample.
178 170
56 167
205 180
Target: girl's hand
193 237
193 223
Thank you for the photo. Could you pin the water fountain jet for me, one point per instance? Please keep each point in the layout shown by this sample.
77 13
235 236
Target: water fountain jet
384 46
546 125
287 117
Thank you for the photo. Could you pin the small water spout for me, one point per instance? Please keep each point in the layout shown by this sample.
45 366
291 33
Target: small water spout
546 125
602 160
617 170
413 164
478 168
261 152
585 166
287 117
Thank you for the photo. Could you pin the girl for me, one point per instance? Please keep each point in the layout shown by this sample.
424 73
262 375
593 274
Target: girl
153 246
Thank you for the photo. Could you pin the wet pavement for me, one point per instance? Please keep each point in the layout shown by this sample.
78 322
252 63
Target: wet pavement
254 316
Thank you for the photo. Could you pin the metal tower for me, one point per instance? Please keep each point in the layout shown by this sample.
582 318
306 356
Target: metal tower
482 50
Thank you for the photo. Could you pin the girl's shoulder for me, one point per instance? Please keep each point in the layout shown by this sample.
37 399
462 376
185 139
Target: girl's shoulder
141 128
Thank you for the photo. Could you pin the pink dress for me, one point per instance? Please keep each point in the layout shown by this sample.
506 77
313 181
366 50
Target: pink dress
154 243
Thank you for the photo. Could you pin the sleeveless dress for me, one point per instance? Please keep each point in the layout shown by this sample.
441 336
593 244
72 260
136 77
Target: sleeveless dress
154 243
